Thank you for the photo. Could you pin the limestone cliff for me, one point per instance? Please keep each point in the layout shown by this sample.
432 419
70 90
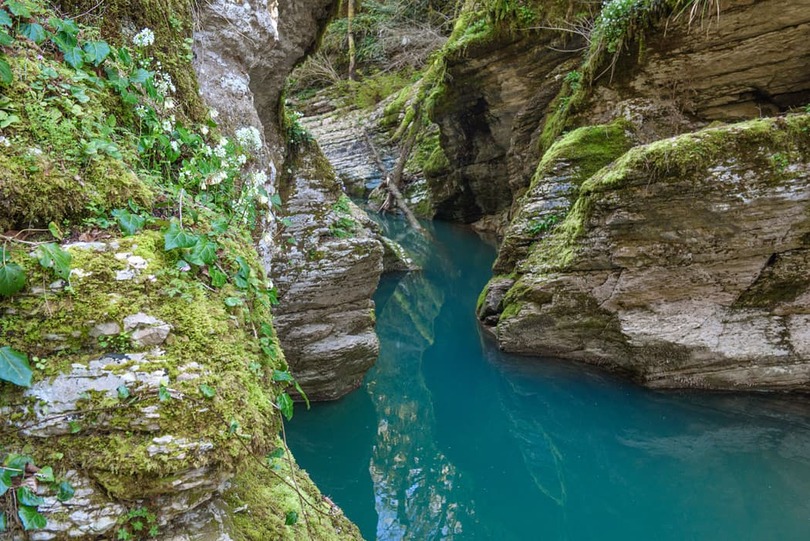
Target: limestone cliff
140 367
718 220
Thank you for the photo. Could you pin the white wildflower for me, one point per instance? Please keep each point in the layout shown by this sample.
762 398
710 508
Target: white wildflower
168 104
250 138
167 125
163 83
241 159
213 113
220 152
216 178
144 38
204 130
258 178
175 146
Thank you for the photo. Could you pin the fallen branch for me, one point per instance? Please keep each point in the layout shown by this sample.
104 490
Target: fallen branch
391 182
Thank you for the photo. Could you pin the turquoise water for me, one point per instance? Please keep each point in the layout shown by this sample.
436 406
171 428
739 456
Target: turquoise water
451 439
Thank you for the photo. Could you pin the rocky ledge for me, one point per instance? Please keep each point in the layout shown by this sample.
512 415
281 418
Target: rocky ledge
683 264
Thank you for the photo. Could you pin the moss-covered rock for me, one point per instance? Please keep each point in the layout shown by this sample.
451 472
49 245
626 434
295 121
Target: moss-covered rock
680 263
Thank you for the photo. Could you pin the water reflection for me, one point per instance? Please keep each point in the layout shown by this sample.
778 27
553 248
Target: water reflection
455 440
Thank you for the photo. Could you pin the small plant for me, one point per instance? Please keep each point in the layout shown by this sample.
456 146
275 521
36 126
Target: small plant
21 482
537 227
138 523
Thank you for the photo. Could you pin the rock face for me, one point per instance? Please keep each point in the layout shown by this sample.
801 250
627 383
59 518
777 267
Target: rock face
683 264
489 120
327 269
123 415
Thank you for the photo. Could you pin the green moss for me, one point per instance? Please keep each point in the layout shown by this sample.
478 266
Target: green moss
171 21
266 498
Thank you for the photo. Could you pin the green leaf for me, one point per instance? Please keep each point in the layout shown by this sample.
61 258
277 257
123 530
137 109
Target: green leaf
12 279
123 392
18 9
33 31
207 391
266 330
55 231
5 39
31 518
125 57
5 18
275 200
14 367
285 404
203 253
163 394
175 237
17 462
26 496
5 72
234 301
64 491
74 57
96 51
5 481
242 277
45 475
218 278
140 76
301 392
130 223
219 225
51 256
291 518
282 375
2 522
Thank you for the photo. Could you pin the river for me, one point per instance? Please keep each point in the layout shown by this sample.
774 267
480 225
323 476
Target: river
449 438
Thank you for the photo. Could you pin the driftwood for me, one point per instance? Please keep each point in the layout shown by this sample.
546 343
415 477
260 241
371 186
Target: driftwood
392 179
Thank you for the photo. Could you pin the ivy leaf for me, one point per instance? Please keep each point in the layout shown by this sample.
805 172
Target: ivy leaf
74 57
207 391
123 392
5 18
282 375
14 367
5 39
5 481
130 223
5 72
175 237
26 496
291 518
163 394
33 31
242 277
96 51
45 475
51 256
203 253
18 9
275 200
31 518
64 491
285 404
218 278
12 279
234 301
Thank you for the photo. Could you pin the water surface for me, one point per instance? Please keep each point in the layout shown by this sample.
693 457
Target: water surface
451 439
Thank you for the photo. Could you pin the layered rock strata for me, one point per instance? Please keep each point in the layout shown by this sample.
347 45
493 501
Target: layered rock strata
683 264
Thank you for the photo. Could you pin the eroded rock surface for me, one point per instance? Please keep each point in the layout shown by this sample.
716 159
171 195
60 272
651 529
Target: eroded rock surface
685 263
326 273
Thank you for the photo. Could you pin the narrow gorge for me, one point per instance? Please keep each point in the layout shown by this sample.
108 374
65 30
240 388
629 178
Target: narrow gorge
221 320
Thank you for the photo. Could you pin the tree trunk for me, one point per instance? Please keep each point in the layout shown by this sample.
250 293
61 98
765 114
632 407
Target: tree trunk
352 53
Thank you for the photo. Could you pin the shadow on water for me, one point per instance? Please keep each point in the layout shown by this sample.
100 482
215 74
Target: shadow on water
452 439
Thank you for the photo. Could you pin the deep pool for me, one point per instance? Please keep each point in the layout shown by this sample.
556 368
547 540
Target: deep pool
451 439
